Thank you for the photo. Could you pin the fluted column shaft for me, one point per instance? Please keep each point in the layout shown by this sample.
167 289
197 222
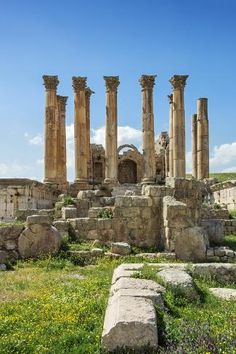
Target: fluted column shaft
61 140
202 139
88 93
194 145
147 83
50 148
80 134
170 135
178 83
111 165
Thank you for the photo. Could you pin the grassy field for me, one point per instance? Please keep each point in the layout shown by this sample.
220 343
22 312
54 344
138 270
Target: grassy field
221 176
53 306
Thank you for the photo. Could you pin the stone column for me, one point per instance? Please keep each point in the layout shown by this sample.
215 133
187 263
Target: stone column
194 145
167 159
202 139
50 148
61 140
111 167
170 135
178 83
80 134
147 83
88 93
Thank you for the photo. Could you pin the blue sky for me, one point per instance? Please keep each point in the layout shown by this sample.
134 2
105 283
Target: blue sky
125 38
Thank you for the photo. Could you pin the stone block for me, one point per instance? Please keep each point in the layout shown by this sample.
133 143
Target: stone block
222 272
191 244
130 322
130 212
214 230
93 235
38 220
22 214
121 248
224 293
97 252
3 257
146 212
69 213
134 283
141 201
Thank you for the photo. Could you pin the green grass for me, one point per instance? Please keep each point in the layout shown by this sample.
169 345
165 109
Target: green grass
220 176
52 306
230 241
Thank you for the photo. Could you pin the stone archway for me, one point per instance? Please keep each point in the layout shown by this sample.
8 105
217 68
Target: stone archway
127 171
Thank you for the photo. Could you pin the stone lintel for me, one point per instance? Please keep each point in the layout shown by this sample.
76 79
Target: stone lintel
112 83
178 81
79 83
147 81
50 82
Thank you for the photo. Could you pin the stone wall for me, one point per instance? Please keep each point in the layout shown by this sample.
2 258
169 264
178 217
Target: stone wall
24 193
224 193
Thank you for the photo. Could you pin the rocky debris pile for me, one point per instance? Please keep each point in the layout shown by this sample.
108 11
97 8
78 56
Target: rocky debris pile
221 254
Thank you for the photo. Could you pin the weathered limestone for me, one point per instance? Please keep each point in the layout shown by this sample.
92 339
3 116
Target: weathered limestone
88 93
111 165
171 135
50 153
61 140
122 248
215 231
178 83
202 139
224 293
80 133
194 145
147 83
39 238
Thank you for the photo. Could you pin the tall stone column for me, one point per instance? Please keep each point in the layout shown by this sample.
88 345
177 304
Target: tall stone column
88 93
147 83
178 83
80 134
50 147
111 166
167 160
202 139
61 140
170 135
194 145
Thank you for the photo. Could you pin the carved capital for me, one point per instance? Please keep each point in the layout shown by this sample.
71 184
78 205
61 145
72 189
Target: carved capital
178 81
112 83
62 101
79 83
170 98
147 81
88 92
50 82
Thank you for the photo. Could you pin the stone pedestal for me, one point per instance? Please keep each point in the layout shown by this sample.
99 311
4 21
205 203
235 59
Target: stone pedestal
80 133
61 140
147 83
202 139
170 135
50 136
88 93
111 165
178 83
194 145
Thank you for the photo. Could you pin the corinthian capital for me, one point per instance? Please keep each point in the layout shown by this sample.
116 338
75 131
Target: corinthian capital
50 82
79 83
147 81
62 101
112 82
88 92
178 81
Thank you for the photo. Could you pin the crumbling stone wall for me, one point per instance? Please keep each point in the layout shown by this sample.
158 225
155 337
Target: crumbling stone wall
224 193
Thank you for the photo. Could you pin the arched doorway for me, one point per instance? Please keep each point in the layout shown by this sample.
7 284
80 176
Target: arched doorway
127 171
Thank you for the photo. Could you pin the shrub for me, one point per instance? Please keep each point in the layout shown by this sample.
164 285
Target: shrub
106 213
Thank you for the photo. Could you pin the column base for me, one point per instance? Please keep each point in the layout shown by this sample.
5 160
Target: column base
148 180
112 182
82 184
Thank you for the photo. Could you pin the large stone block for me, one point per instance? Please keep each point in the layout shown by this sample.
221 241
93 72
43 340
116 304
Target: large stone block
224 293
130 322
191 244
214 230
38 220
69 213
121 248
38 240
222 272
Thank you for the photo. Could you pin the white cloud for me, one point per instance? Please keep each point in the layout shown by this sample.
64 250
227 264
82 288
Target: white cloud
15 170
34 140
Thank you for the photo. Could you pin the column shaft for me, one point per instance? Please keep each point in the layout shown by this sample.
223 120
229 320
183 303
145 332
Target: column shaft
170 135
147 83
80 135
178 82
194 145
50 136
61 140
88 93
111 166
202 139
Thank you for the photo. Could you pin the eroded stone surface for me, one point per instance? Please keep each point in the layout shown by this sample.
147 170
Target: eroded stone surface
134 283
121 248
224 293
